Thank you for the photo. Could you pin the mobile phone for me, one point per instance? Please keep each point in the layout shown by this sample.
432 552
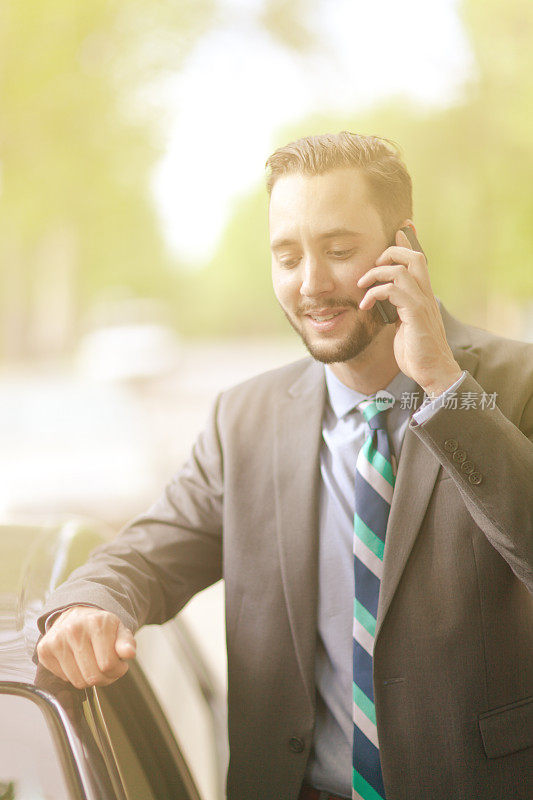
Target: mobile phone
385 307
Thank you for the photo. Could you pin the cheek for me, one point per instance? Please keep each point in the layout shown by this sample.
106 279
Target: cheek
346 281
285 286
350 274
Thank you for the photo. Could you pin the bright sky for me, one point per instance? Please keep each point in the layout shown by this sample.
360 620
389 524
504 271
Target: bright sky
239 89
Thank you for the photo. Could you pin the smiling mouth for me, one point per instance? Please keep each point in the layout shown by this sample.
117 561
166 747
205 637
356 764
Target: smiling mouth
325 314
324 317
325 321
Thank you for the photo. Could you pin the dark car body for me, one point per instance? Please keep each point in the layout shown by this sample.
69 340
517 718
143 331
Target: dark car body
132 740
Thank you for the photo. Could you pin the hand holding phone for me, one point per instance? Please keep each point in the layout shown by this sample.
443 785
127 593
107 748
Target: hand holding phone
387 310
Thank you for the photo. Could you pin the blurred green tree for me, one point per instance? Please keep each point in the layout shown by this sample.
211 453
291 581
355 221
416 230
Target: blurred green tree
502 146
76 154
472 168
233 295
79 136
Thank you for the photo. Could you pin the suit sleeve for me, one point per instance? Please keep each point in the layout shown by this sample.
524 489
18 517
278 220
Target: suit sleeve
498 493
164 556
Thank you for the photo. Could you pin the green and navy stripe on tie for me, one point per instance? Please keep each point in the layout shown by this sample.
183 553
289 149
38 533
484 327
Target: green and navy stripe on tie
374 483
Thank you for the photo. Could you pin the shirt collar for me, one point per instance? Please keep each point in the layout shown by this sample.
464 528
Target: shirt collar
342 399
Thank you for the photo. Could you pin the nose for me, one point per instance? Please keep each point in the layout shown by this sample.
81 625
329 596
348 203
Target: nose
316 279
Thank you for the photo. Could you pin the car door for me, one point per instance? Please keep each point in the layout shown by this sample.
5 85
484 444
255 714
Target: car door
133 734
47 751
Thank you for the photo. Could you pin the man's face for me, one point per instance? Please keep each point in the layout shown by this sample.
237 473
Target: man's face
324 235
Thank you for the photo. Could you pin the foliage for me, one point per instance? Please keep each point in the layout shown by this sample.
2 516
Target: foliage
79 138
75 211
472 169
80 133
234 295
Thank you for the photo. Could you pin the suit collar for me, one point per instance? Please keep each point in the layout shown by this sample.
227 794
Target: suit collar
343 400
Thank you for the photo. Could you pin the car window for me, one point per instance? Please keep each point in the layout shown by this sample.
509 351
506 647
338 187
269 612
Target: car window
30 763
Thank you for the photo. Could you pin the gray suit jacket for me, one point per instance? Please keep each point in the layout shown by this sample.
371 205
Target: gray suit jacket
453 660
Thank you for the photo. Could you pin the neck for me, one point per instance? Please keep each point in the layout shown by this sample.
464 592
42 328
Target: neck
374 368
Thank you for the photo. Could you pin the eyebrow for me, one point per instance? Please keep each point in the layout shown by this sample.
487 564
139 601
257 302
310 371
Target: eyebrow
331 234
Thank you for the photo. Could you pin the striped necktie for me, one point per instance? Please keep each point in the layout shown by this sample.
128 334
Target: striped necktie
374 482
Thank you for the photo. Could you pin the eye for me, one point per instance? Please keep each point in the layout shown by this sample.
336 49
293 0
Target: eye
288 262
341 254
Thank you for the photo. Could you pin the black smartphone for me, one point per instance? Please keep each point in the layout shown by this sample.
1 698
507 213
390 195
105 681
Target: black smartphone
385 307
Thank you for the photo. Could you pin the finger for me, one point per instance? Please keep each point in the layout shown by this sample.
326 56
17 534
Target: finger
76 635
402 239
125 644
70 667
393 273
396 276
412 259
90 667
104 645
397 255
49 661
386 291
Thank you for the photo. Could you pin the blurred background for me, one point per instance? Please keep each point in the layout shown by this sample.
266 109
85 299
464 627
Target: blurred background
133 239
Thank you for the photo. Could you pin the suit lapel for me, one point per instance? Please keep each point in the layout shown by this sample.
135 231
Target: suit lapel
298 419
417 472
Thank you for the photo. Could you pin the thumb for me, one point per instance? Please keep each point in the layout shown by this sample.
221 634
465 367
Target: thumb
125 644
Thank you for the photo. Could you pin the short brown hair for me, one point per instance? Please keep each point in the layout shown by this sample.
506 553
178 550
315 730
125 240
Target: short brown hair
379 159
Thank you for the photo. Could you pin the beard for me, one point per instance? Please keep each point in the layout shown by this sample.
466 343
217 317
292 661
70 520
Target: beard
365 328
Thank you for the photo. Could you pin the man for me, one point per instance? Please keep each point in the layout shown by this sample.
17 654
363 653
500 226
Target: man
440 701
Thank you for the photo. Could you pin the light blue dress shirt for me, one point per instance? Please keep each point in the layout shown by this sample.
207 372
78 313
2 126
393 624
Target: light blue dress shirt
343 434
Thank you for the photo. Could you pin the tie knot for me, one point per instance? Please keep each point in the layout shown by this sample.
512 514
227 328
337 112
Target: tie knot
374 414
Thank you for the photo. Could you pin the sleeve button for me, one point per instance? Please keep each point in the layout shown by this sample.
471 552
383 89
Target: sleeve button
468 467
460 456
451 445
475 477
296 745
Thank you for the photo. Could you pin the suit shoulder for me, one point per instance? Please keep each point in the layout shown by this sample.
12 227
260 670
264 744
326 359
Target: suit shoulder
482 336
500 353
504 368
276 381
254 400
494 353
483 342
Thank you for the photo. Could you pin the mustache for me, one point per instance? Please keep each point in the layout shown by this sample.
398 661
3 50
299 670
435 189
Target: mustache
340 302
